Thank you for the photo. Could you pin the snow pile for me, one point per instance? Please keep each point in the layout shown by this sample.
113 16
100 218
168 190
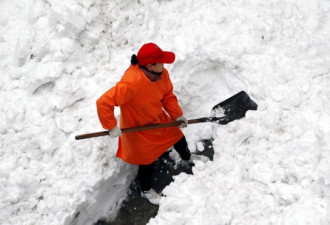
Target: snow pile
272 167
52 64
58 57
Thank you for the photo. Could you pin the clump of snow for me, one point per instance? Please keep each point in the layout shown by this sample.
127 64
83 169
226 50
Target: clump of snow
58 57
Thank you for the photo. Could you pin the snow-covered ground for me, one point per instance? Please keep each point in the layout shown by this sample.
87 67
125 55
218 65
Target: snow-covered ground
58 57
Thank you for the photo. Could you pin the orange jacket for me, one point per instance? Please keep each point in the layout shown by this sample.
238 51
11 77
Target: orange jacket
141 102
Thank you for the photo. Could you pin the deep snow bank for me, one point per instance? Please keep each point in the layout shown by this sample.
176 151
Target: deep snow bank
54 65
272 167
58 57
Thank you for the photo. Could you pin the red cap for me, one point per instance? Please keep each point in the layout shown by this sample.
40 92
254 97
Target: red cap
150 53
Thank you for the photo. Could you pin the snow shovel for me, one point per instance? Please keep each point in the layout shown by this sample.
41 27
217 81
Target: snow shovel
232 108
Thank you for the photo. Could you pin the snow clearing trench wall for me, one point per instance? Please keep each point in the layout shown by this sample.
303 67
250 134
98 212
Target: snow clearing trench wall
58 57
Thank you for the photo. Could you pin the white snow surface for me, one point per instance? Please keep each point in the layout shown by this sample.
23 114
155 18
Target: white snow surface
271 167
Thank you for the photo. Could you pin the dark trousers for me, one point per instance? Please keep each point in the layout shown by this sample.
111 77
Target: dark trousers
145 171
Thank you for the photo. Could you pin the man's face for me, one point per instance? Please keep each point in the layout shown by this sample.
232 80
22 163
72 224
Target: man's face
157 67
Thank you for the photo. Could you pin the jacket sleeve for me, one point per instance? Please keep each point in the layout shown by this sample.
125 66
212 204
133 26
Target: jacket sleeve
170 101
118 95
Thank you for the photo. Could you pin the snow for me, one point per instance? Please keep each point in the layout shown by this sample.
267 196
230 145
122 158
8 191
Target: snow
271 167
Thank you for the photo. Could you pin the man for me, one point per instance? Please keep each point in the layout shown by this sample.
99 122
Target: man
145 96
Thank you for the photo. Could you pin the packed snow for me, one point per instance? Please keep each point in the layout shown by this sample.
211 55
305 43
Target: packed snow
271 167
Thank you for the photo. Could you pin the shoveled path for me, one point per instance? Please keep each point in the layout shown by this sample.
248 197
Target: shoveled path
136 210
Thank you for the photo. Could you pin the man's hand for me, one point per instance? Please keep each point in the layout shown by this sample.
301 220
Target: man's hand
185 121
115 132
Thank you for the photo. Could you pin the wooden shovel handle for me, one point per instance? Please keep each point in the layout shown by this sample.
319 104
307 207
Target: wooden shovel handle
146 127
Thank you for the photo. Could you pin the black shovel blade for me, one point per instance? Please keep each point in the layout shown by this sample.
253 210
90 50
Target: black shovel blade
235 107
